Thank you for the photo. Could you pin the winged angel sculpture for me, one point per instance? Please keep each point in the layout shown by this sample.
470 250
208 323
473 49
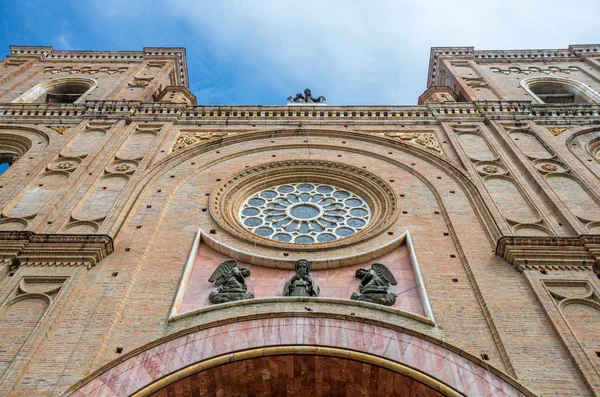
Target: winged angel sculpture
230 280
374 285
306 98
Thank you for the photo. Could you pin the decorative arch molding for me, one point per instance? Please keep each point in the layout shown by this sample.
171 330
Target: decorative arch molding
45 87
25 137
419 356
584 144
428 384
574 86
174 159
117 220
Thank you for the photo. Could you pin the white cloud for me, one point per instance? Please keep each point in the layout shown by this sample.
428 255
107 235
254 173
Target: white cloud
368 52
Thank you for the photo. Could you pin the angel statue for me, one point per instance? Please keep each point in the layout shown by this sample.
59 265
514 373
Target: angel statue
374 285
230 280
306 98
301 284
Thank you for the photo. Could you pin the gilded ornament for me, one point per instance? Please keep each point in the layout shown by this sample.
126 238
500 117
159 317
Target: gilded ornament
557 130
425 140
60 130
490 169
189 138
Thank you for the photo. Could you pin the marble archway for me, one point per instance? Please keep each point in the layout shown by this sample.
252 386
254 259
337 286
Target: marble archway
417 359
297 371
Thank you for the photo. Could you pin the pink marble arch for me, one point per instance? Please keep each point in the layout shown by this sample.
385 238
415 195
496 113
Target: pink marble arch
334 283
171 356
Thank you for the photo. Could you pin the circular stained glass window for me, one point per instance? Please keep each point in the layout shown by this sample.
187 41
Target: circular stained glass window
305 213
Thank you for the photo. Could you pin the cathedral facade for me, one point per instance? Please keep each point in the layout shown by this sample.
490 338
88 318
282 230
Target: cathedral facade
150 246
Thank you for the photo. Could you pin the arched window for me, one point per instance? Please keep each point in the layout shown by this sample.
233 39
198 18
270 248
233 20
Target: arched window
12 147
66 90
559 90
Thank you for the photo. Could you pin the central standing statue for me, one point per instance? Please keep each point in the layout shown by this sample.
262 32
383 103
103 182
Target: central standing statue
301 284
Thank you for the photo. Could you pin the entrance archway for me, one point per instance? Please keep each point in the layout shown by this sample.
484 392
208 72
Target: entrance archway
297 371
420 361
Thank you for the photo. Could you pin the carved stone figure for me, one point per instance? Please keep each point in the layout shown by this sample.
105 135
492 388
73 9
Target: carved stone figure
306 98
301 284
230 280
374 285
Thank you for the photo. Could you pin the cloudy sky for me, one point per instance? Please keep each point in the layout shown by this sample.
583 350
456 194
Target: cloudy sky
259 52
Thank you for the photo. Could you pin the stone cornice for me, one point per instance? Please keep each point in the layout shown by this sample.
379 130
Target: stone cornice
553 253
184 114
469 53
149 53
31 249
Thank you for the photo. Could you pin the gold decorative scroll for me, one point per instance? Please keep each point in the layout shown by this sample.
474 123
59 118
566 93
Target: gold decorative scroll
426 140
189 138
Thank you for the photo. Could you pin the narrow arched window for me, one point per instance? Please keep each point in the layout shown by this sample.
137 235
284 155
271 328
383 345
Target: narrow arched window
12 148
67 90
7 158
559 90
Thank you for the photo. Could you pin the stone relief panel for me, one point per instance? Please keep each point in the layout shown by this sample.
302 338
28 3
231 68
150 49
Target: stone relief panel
266 282
527 70
576 196
187 138
139 142
21 314
87 140
475 81
530 145
25 146
97 203
509 199
422 139
102 196
78 69
578 304
475 145
586 147
9 224
140 81
35 196
518 210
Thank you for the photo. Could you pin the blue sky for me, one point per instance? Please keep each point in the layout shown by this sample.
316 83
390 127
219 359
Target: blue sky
259 52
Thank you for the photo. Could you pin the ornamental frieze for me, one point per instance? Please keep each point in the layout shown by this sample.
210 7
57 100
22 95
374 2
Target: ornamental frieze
85 70
533 69
424 140
189 138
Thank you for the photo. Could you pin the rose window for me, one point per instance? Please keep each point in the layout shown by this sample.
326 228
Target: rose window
304 213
